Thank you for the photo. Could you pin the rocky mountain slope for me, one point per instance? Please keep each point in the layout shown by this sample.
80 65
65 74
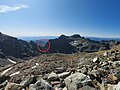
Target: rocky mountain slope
78 71
13 50
76 43
11 46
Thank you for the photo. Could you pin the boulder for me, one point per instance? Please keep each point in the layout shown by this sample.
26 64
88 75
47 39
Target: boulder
4 78
56 88
3 84
64 88
53 77
117 87
117 74
84 70
64 74
96 59
27 81
115 64
111 87
54 83
76 81
105 54
40 85
13 86
87 88
59 70
112 79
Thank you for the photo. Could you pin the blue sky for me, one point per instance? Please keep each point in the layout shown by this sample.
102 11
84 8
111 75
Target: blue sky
98 18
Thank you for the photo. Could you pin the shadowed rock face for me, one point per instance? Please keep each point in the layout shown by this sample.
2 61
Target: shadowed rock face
61 46
11 46
2 55
76 43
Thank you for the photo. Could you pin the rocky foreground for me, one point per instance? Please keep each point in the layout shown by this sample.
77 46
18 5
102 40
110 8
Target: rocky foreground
80 71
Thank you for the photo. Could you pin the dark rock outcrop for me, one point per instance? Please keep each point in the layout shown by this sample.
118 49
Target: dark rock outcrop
11 46
76 43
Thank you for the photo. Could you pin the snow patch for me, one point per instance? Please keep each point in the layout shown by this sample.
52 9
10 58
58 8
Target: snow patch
6 71
15 73
37 64
11 61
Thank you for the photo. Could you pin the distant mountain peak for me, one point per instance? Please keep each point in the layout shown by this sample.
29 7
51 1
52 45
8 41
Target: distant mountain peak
73 36
63 37
0 33
76 36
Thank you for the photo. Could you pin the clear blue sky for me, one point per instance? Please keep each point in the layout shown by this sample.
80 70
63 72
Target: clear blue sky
99 18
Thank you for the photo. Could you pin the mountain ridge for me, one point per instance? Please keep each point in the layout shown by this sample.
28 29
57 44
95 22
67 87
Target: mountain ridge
15 49
33 38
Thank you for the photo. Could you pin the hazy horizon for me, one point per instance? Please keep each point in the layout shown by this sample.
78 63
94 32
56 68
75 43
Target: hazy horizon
65 35
57 35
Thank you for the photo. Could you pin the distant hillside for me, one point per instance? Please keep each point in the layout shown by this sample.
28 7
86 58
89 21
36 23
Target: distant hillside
53 37
100 39
37 38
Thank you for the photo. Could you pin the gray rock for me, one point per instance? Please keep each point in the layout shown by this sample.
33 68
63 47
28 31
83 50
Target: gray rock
76 81
64 88
117 74
117 87
64 74
95 59
105 54
4 78
56 88
40 85
113 87
84 70
59 70
53 76
13 86
115 64
27 81
87 88
3 84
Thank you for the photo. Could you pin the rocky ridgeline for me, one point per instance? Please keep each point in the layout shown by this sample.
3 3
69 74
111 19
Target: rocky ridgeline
76 43
100 73
11 46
